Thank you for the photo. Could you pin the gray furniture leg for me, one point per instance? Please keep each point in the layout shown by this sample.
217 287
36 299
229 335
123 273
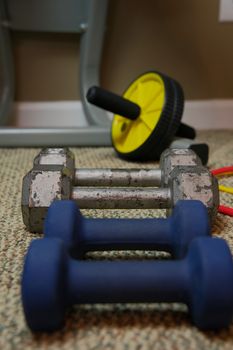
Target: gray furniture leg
91 48
98 133
6 68
38 137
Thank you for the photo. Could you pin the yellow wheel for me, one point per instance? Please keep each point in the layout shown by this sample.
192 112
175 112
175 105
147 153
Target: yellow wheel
140 139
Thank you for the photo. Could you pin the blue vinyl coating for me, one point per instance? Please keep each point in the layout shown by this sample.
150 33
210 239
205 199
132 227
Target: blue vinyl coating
203 280
188 220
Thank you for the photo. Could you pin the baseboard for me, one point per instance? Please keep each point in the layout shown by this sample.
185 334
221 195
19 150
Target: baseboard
48 114
206 114
209 114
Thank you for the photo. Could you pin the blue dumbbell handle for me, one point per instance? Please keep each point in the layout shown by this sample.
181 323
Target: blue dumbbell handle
123 234
124 281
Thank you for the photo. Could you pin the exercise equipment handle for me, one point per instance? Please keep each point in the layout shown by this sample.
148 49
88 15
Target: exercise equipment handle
186 131
113 103
123 234
125 281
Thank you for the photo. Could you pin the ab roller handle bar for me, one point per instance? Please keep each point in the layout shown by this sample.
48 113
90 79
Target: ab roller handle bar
121 106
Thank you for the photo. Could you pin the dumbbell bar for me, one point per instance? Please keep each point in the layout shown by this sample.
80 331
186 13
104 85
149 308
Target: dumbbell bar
53 281
118 177
122 198
80 235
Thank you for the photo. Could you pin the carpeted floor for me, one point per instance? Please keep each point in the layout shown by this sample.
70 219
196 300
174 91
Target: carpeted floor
97 326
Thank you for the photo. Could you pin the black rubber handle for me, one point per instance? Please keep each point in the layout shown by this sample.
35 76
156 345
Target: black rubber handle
113 103
186 131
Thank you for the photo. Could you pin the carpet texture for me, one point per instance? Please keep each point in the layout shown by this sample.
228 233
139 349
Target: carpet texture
154 326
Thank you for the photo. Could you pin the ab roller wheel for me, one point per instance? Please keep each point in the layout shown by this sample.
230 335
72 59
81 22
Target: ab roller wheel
141 138
146 118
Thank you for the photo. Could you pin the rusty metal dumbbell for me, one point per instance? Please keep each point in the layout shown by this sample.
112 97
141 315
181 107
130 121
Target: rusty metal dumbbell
53 177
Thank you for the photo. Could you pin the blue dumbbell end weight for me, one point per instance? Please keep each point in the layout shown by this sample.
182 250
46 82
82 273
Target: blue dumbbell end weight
44 285
211 276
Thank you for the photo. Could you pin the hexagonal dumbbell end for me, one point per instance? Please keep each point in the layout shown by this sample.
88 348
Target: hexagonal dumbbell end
41 187
56 156
170 158
195 182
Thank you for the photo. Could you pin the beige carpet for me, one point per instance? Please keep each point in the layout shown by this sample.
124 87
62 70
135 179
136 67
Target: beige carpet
99 327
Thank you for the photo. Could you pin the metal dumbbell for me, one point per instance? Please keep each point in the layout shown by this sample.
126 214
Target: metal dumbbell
169 159
203 280
80 235
46 183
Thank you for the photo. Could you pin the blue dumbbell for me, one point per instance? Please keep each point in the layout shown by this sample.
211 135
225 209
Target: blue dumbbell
80 235
53 281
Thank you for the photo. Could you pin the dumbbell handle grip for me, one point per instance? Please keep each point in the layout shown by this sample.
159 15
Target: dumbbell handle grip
118 177
113 103
125 281
123 234
122 198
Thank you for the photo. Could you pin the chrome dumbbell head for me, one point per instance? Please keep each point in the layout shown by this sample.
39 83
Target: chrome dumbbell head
56 156
172 158
41 187
195 182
